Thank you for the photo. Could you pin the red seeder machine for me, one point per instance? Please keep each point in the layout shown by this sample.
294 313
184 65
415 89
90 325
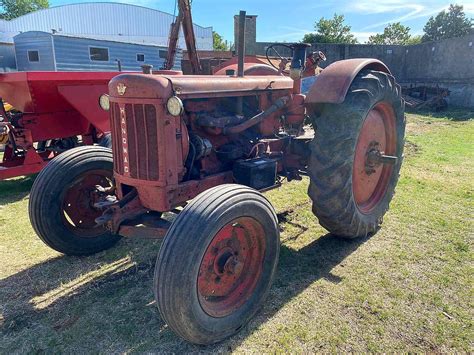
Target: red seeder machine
53 112
191 156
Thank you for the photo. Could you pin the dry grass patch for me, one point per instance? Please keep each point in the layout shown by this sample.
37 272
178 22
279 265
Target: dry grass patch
408 288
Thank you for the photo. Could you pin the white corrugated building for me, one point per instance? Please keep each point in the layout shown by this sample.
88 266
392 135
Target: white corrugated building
107 21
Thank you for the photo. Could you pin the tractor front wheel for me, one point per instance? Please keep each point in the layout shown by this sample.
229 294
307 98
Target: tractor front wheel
62 201
356 155
217 263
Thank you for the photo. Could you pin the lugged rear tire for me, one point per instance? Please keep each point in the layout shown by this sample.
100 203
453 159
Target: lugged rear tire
59 209
343 199
217 263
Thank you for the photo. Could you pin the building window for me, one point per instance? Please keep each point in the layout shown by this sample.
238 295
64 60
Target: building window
99 54
389 51
163 54
33 56
140 57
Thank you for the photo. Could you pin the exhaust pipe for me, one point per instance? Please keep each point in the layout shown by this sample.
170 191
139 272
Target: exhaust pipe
241 44
241 58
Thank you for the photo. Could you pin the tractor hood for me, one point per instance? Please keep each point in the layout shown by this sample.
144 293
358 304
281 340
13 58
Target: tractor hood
192 86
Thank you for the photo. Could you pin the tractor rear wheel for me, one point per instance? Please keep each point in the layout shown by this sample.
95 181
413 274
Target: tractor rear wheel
62 197
217 263
356 156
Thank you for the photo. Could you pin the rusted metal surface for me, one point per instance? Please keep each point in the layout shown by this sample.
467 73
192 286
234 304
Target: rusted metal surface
140 86
173 41
334 81
421 96
278 105
156 153
191 86
378 132
149 144
241 44
188 30
79 213
129 208
166 198
152 228
231 267
206 120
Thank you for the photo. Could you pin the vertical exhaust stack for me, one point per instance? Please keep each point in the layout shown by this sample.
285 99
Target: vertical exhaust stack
241 58
241 44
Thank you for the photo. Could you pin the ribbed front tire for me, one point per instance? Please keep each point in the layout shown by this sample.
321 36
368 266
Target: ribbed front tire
217 263
61 208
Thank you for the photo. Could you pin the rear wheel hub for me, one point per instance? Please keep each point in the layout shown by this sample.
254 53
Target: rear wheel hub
374 157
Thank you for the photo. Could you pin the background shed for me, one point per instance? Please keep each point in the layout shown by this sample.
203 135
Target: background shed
38 51
7 57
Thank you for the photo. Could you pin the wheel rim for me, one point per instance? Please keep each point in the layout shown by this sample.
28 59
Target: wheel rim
78 212
231 267
378 134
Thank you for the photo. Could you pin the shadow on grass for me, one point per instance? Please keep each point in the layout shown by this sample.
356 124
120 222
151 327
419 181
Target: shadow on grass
298 269
16 189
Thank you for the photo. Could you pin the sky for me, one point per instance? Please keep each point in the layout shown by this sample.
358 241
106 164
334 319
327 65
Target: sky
286 20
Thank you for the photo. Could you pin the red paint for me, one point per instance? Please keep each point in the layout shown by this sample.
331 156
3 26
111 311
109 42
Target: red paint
231 267
54 105
151 146
334 81
369 188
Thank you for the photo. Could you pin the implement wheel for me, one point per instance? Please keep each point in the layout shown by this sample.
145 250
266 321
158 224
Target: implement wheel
356 156
217 263
62 197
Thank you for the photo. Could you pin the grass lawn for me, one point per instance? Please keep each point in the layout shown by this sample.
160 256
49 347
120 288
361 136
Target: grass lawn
408 288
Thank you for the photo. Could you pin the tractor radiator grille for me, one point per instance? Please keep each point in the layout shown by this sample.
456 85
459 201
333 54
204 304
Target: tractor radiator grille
141 137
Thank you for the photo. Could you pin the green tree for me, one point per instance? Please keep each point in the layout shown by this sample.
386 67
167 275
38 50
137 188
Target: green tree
448 24
219 43
331 31
394 33
414 40
16 8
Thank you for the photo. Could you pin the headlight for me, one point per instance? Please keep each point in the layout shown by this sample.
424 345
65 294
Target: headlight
175 106
104 102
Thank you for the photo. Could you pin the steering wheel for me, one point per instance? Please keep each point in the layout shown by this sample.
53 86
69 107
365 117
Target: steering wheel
283 60
319 56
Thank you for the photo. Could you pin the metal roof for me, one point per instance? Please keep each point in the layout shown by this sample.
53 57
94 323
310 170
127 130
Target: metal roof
110 21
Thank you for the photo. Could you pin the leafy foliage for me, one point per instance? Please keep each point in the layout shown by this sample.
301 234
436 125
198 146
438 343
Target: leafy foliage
218 42
448 24
331 31
16 8
394 33
414 40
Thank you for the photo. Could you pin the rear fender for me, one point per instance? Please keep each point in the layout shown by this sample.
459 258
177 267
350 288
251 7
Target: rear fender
334 81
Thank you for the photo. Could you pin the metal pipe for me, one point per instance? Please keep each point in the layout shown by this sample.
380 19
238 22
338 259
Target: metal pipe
241 44
279 104
241 59
147 69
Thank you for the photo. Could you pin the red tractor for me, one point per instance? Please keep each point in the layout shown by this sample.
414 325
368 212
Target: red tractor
191 156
